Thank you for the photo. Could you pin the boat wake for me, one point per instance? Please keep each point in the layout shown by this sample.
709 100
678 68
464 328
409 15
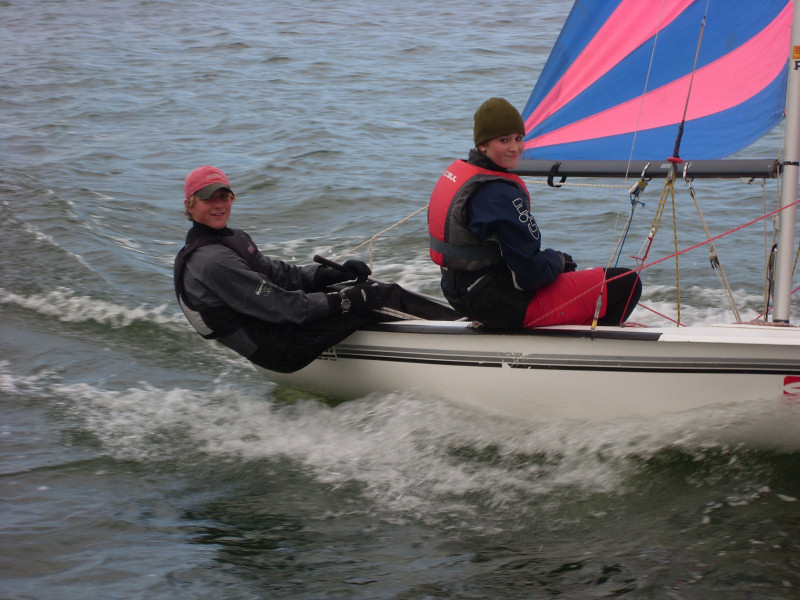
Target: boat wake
407 455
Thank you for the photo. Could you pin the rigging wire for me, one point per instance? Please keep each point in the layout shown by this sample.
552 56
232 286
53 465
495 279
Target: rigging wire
712 250
635 192
372 239
796 256
766 248
676 149
769 252
646 85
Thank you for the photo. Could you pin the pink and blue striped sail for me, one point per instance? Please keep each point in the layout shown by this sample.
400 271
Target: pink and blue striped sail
598 97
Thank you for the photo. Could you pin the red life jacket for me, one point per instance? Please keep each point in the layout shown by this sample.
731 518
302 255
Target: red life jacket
452 244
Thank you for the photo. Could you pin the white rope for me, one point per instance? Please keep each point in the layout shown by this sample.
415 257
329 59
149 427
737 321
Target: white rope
379 234
586 185
712 251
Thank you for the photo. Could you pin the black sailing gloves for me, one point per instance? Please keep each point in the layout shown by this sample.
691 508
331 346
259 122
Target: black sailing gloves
360 269
358 298
351 269
567 264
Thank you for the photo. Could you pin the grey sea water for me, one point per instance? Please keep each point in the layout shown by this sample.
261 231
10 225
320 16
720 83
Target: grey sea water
139 461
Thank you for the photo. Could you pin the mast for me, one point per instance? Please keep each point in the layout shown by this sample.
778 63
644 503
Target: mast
791 167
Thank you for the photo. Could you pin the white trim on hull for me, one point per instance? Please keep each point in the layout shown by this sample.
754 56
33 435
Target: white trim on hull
562 372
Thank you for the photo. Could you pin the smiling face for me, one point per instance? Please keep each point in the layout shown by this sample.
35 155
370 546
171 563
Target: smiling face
213 212
505 151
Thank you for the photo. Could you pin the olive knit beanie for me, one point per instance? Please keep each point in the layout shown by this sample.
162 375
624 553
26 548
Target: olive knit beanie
494 118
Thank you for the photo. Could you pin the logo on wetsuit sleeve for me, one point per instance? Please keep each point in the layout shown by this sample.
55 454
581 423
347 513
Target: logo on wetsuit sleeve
526 217
263 289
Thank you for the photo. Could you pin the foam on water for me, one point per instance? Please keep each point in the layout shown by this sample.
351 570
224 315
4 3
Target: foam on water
705 306
67 306
408 454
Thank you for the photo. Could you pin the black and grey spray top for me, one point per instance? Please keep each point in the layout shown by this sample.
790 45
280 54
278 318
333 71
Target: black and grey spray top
222 280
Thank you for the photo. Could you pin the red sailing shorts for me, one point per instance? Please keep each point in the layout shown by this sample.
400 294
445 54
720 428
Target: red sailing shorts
570 300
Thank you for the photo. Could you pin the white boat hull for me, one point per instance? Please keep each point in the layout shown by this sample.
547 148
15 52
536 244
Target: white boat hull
562 372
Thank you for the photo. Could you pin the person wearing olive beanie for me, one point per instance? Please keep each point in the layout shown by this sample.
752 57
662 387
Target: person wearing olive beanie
494 118
489 247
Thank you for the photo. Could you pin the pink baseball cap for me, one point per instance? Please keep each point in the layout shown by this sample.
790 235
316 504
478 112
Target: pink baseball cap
204 181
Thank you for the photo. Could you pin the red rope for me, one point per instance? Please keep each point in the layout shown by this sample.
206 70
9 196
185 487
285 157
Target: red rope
709 240
662 315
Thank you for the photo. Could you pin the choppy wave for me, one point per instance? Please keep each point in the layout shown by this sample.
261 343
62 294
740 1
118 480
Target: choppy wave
67 306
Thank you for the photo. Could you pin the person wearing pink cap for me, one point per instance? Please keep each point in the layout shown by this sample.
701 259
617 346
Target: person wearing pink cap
279 316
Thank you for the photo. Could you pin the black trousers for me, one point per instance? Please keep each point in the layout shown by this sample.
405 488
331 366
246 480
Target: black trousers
286 347
622 295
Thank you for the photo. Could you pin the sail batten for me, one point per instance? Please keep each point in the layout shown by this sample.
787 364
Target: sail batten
590 100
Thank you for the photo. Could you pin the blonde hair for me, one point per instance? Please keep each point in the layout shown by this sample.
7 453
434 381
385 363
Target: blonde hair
189 203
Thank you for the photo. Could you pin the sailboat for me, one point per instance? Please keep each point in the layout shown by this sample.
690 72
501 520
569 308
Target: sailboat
661 89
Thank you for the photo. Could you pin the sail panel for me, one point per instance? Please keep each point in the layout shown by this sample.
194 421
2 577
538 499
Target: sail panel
591 101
